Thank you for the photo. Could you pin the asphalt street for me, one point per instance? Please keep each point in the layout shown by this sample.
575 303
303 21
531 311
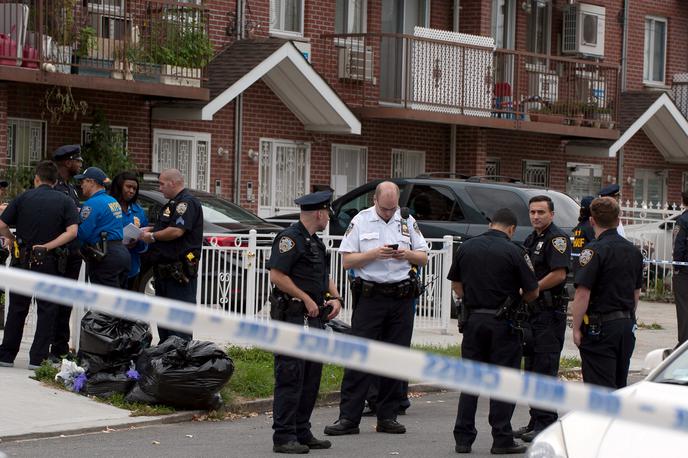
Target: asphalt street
429 421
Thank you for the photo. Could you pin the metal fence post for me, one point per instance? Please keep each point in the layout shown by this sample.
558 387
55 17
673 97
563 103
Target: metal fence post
251 272
447 254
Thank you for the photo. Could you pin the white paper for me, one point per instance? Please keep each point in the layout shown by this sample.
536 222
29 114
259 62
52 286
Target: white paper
131 233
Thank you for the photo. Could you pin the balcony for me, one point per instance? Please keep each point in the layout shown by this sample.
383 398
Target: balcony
408 77
158 48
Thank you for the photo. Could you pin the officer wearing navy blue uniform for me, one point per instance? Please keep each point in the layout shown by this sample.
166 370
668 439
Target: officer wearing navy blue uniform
680 278
383 249
549 249
487 273
45 221
100 232
68 160
177 240
583 233
608 286
300 270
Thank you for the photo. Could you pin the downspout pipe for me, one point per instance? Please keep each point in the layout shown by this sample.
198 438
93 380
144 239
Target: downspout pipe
238 112
452 127
624 46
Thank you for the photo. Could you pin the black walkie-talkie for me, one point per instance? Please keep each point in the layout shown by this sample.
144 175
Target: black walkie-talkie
404 212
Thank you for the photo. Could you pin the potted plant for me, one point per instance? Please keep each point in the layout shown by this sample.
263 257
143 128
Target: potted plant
182 54
88 61
546 113
604 116
61 26
125 58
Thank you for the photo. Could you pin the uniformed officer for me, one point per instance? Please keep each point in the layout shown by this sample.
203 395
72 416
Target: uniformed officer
177 239
382 248
549 249
45 221
607 292
680 278
583 233
125 189
487 273
614 191
68 160
100 232
300 270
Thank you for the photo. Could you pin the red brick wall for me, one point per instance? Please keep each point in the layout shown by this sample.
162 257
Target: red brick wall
475 17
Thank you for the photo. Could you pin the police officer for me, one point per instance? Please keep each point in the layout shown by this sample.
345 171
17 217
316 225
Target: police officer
607 292
680 278
45 221
177 240
487 273
549 249
68 160
583 233
614 191
100 232
300 270
381 247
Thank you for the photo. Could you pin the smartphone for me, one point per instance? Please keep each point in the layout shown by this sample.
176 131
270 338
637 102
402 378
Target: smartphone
393 246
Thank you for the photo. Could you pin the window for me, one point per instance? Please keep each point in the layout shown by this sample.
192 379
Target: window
488 200
492 168
187 151
348 168
583 179
119 132
655 50
284 175
286 17
407 163
536 173
434 203
25 141
539 26
350 16
650 186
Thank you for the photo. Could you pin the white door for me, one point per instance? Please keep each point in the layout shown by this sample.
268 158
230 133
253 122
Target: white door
284 175
348 168
187 152
650 186
583 179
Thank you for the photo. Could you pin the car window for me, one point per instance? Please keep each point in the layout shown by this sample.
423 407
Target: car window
675 372
218 211
434 203
348 210
151 207
489 200
566 210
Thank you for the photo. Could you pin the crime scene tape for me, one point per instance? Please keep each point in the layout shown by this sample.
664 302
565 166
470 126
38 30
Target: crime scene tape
353 352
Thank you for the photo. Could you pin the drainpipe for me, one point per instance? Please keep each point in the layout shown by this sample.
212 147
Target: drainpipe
624 46
619 171
452 127
455 21
238 112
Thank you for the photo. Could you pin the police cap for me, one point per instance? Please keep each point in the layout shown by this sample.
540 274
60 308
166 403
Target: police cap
4 184
67 152
586 201
315 201
95 174
610 191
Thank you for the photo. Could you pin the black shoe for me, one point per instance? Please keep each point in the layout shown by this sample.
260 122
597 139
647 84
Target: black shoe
390 426
462 448
513 448
521 431
317 444
342 427
291 447
529 436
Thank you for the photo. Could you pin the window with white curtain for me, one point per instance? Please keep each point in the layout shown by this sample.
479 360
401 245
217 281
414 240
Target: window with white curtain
25 141
188 152
407 163
655 50
350 16
348 168
286 17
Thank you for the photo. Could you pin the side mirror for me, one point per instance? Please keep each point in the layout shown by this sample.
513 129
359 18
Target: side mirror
654 359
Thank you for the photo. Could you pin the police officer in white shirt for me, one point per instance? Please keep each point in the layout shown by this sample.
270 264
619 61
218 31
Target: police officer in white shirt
384 249
614 190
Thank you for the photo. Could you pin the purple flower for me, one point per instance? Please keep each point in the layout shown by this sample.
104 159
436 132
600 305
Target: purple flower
79 382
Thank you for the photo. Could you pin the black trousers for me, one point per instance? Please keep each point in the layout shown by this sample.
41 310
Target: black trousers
388 320
60 344
16 317
680 284
607 356
493 341
113 270
549 329
297 382
172 289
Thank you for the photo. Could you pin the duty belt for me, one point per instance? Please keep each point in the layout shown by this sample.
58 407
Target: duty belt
386 289
485 311
611 316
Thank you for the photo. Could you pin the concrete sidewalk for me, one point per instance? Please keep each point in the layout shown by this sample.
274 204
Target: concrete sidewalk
30 409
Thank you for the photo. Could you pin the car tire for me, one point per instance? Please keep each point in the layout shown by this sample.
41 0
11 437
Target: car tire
145 283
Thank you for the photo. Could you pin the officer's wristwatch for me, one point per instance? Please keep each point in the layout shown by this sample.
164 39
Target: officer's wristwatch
152 234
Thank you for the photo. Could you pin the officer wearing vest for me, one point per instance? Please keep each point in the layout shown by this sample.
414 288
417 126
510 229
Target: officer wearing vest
45 222
607 292
303 294
68 160
487 273
382 248
177 240
583 233
680 278
549 249
100 232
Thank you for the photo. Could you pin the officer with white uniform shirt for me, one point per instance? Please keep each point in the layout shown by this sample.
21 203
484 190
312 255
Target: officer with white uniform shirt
383 249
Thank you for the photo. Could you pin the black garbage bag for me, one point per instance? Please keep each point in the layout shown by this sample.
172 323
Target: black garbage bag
185 374
114 363
102 334
106 384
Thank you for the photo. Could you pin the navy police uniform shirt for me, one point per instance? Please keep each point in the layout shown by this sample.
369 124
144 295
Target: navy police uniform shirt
612 268
69 190
582 235
185 212
304 259
40 215
681 241
491 268
549 251
100 213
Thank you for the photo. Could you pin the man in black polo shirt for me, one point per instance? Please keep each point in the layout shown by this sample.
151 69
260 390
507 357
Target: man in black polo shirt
177 240
487 271
45 220
608 285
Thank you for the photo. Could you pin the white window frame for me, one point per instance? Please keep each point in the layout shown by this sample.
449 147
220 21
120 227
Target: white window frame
530 163
267 207
124 130
44 140
278 29
351 16
405 153
337 149
648 50
184 135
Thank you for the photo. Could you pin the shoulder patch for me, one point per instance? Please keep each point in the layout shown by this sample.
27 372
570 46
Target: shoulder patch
181 208
417 229
349 229
85 212
560 244
585 257
286 244
529 262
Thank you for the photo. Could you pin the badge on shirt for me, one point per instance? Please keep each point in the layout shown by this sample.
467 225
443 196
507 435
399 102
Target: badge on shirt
286 244
85 212
559 244
181 208
349 229
404 228
529 262
585 256
137 221
538 247
166 212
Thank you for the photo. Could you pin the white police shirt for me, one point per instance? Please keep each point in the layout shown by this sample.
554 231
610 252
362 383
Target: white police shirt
368 231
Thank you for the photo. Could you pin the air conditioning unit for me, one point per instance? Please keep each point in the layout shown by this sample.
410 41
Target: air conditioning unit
356 63
583 30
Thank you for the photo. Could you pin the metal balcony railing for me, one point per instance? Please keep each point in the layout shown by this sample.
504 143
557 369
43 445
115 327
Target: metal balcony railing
151 41
373 70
